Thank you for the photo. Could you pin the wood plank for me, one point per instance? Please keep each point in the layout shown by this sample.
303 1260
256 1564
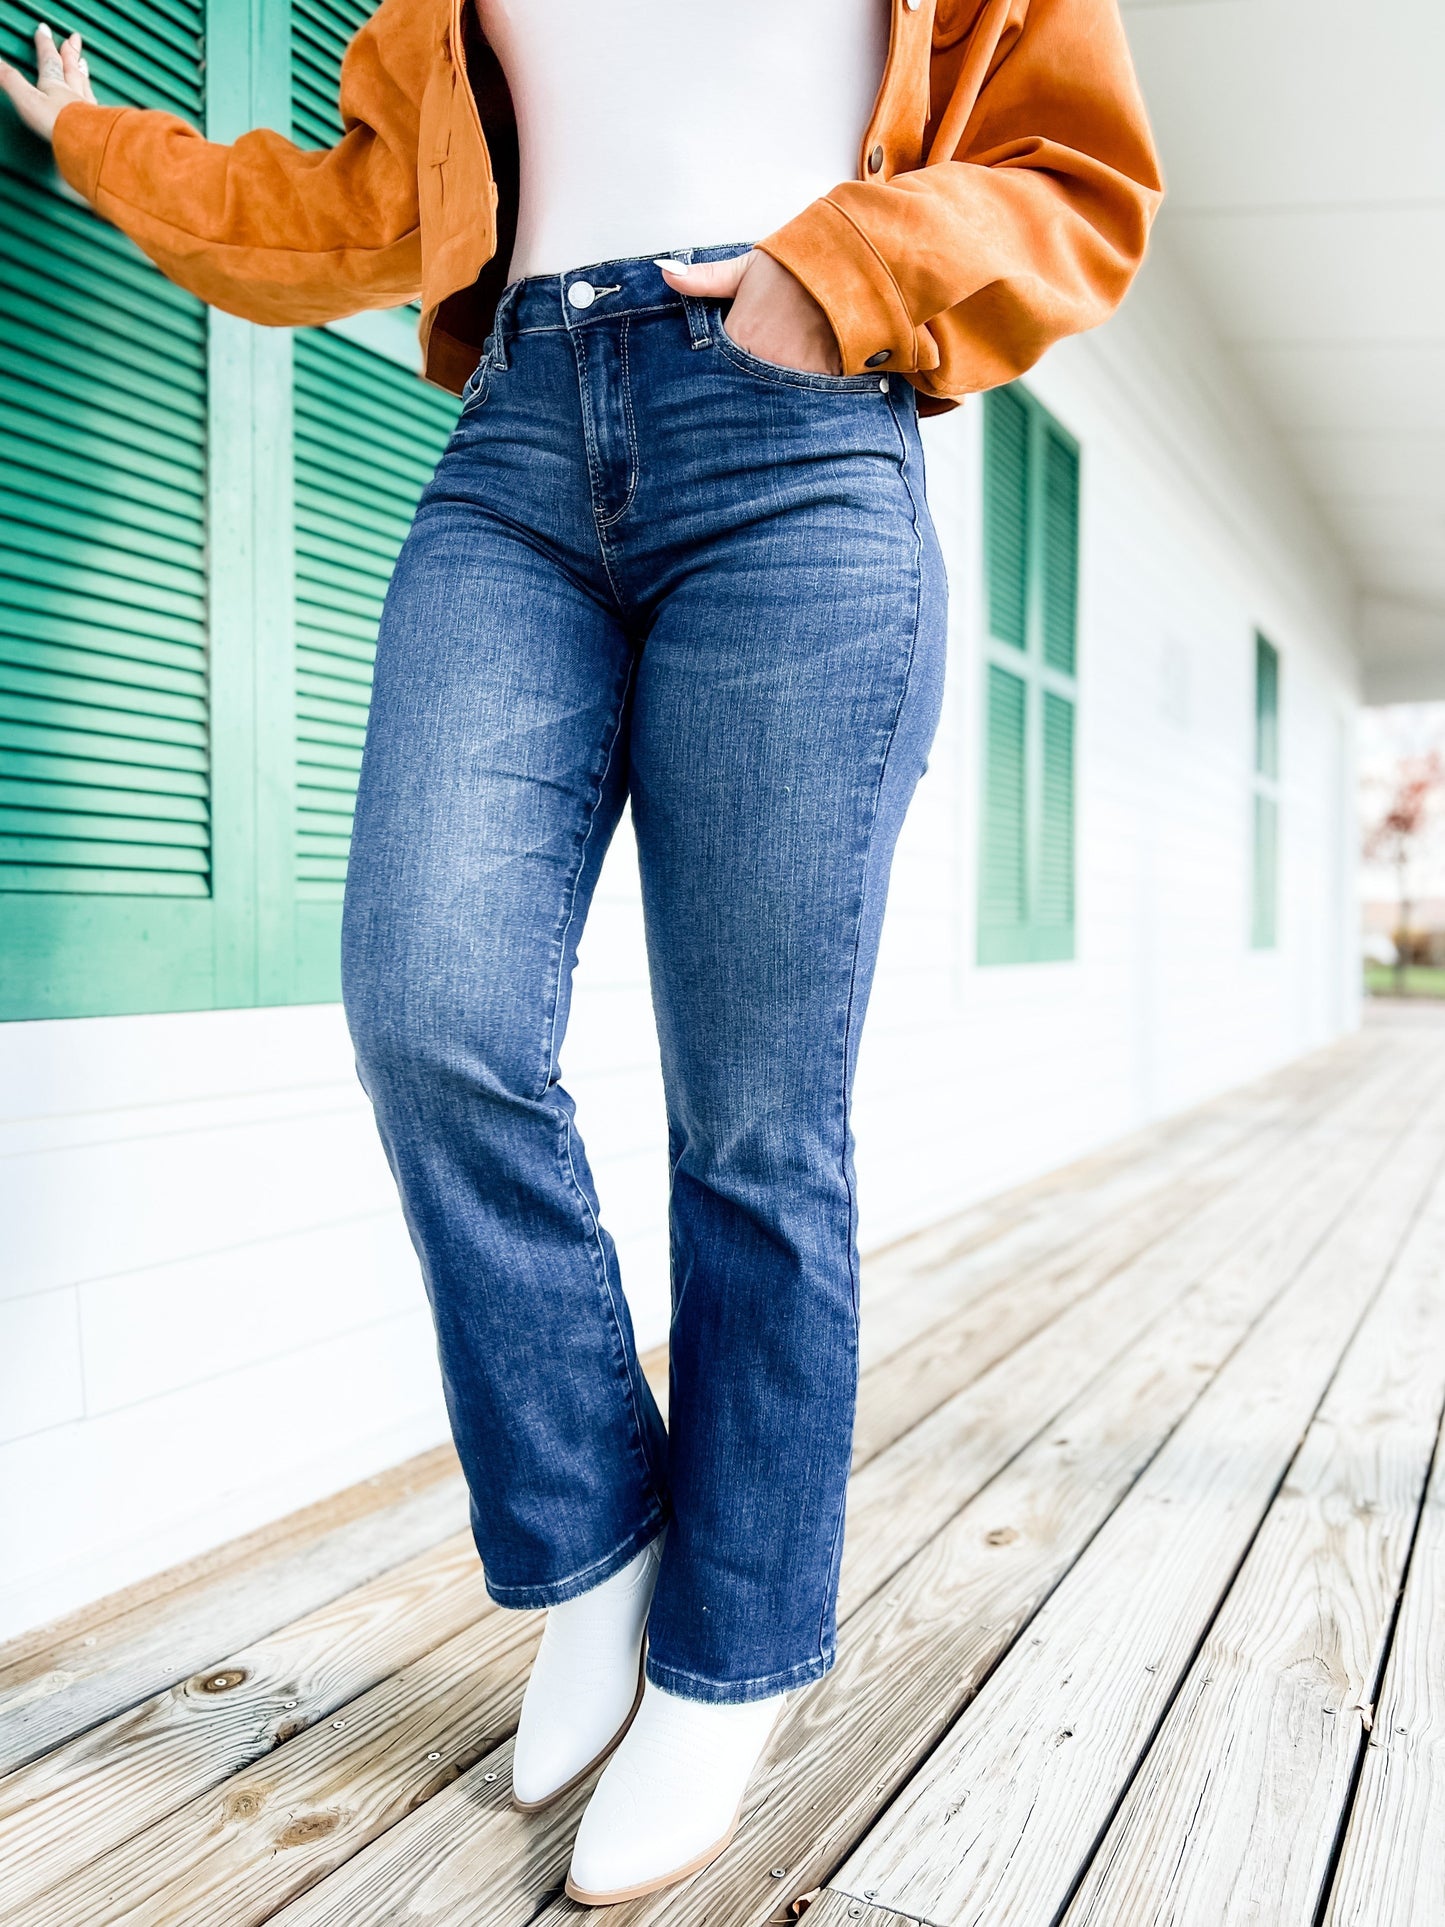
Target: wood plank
999 1823
51 1692
911 1286
911 1653
245 1847
1391 1870
914 1381
1236 1808
63 1680
839 1910
132 1771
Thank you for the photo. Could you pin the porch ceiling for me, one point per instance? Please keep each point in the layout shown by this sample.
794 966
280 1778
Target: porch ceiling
1304 146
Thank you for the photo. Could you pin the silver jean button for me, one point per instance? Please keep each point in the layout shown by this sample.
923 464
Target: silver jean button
581 294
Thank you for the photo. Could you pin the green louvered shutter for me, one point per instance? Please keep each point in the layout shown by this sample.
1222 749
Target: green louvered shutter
1006 515
1059 551
1264 853
104 699
1055 905
1031 569
1003 900
368 435
320 30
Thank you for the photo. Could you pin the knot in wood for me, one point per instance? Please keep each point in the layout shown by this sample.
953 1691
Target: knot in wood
225 1681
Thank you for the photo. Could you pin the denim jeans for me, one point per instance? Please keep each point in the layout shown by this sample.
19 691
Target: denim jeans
649 568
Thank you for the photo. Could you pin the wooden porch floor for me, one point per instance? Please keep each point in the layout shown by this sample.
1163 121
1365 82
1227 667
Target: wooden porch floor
1143 1602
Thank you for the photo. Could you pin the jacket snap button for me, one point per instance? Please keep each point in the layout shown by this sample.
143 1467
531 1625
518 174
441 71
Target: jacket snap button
877 361
913 5
875 160
581 294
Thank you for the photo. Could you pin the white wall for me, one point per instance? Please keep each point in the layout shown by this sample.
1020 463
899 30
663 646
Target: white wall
208 1310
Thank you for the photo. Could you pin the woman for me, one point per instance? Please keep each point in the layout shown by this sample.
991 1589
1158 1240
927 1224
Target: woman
676 553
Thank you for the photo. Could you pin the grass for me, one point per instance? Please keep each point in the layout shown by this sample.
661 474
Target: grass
1421 980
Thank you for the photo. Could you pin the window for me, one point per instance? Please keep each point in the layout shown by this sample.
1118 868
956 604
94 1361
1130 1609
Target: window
197 522
1264 866
1031 560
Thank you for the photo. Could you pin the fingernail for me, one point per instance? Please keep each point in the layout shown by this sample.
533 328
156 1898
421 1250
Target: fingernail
671 266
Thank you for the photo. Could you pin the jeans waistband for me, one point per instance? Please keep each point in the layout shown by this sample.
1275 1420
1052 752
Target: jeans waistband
600 292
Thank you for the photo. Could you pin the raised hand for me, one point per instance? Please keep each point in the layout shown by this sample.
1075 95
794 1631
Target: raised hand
61 77
773 316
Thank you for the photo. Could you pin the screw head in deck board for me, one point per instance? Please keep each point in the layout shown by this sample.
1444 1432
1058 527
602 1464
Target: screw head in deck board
222 1682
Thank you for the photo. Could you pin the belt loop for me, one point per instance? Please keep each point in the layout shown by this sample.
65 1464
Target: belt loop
699 319
500 323
699 313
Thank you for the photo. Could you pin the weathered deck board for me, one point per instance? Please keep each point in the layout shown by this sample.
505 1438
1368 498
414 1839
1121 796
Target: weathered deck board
134 1770
1281 1689
97 1668
1000 1822
1391 1871
478 1864
1073 1429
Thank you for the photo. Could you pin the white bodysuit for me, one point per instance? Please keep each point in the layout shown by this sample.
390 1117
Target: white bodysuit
647 125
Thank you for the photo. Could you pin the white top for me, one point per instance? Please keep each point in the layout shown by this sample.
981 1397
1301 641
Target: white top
647 125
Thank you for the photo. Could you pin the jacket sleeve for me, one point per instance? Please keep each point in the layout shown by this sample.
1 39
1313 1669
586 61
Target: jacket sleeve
263 228
1026 221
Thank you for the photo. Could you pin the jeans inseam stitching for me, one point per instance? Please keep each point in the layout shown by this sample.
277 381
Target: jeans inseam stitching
857 943
589 1216
579 349
608 521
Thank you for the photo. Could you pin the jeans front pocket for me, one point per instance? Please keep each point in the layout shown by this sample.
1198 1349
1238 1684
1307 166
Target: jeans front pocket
775 371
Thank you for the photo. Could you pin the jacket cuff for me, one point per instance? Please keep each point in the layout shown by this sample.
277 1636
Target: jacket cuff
853 286
81 135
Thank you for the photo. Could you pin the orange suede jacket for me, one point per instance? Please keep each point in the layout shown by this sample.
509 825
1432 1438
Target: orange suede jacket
1007 180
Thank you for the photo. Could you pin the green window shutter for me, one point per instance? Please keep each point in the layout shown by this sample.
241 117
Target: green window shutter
320 30
356 491
1266 708
1056 814
1004 898
1264 851
1059 559
368 434
105 772
1006 510
1031 558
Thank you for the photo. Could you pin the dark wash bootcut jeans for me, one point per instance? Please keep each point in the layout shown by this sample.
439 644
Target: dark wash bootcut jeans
650 567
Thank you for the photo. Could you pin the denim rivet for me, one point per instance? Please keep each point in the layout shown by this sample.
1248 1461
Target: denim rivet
883 384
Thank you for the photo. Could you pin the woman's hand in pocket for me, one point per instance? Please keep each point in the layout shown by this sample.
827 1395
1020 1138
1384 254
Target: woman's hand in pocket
61 77
772 315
